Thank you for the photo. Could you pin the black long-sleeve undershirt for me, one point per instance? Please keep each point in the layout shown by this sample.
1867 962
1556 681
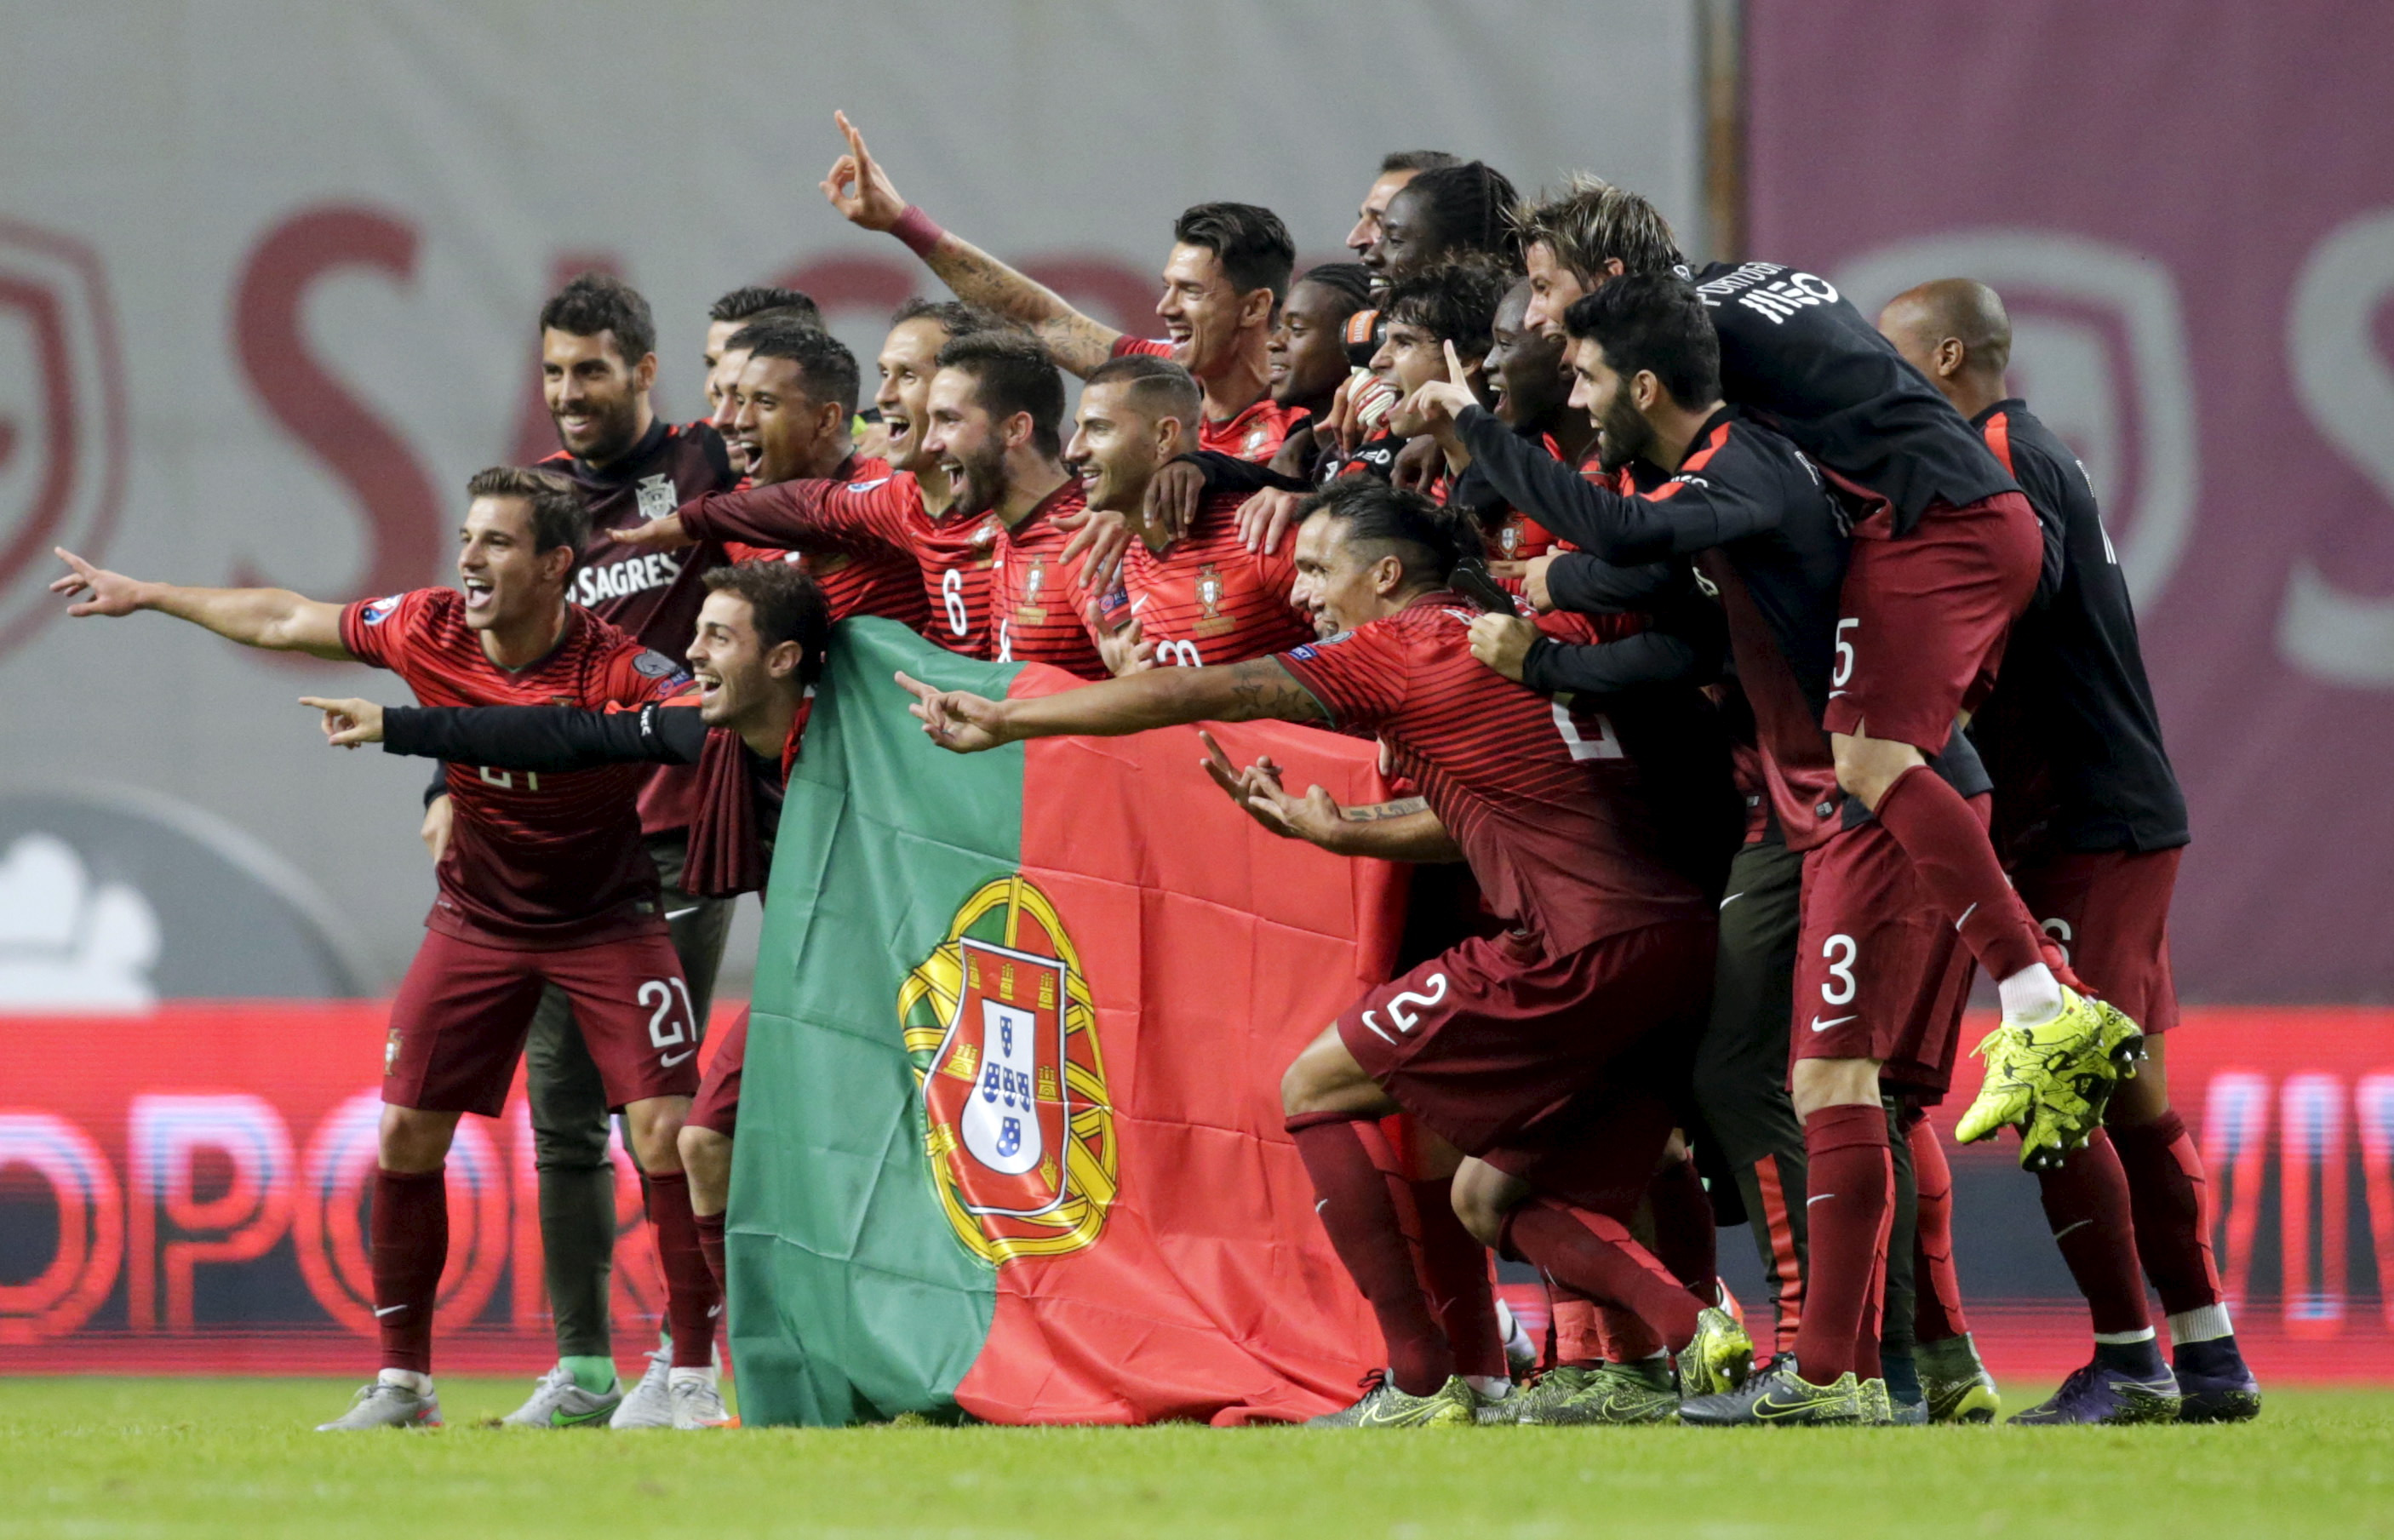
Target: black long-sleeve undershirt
546 737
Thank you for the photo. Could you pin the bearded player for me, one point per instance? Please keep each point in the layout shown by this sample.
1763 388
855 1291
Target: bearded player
543 884
1526 1051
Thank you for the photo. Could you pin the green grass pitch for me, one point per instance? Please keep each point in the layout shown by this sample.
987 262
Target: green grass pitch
206 1456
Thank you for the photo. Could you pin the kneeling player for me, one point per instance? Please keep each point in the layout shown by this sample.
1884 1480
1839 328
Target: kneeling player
543 883
1526 1051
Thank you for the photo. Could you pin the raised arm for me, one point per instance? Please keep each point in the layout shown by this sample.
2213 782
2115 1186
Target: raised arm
519 737
272 618
1247 692
861 191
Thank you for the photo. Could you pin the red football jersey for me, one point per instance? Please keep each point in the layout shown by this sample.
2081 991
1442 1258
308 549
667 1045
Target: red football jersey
1207 598
1034 602
1254 434
884 583
879 515
535 861
1547 806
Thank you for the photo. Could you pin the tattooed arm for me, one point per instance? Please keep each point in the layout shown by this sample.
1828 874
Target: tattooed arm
863 193
1259 688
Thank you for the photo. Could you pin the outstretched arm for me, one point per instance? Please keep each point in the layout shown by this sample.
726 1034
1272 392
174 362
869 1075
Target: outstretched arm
1247 692
519 737
1403 830
274 618
863 193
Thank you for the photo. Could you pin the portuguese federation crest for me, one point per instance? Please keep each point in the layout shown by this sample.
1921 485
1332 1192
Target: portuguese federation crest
999 1025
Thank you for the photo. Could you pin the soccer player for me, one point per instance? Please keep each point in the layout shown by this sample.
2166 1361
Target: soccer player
1397 168
2090 820
743 307
795 400
1192 598
543 883
1522 1051
1226 277
761 635
1440 215
1307 355
598 369
1946 556
910 356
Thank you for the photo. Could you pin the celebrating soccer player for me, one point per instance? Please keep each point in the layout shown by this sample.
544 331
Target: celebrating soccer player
543 883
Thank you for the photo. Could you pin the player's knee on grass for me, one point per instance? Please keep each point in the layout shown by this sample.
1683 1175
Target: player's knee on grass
655 1125
412 1139
1834 1083
706 1157
1326 1078
1482 1196
1867 766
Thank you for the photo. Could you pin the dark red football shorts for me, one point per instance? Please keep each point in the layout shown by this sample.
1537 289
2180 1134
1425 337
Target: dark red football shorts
458 1023
2109 911
1880 971
718 1103
1489 1042
1922 620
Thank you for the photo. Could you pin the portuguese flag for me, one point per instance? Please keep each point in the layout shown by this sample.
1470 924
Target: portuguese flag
1010 1137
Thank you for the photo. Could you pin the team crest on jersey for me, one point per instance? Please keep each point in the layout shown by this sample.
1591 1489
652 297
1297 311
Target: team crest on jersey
1509 539
658 498
1001 1030
1030 611
1256 439
378 610
1213 623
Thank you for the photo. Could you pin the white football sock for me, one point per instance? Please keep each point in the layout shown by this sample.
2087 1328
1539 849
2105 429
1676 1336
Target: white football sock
705 1375
2204 1323
2030 998
406 1379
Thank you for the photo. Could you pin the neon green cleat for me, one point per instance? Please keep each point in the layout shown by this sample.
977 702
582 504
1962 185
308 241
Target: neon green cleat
1718 1359
1612 1395
1383 1405
1779 1397
1878 1407
1557 1384
1956 1383
2051 1080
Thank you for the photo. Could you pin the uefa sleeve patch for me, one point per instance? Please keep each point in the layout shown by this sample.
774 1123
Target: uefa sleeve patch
377 611
868 486
656 666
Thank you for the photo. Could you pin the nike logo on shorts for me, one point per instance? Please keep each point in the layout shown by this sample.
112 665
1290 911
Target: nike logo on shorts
669 1060
678 914
1819 1025
1732 899
389 1310
1817 1198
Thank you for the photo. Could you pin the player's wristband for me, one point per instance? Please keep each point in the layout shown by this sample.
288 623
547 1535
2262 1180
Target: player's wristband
915 229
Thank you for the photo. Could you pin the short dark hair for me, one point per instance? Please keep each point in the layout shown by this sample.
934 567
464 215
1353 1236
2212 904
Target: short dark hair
1158 387
1430 541
1417 160
559 517
1653 322
824 360
1249 240
1012 373
1351 281
594 303
1590 222
952 316
787 603
1455 301
1472 207
763 302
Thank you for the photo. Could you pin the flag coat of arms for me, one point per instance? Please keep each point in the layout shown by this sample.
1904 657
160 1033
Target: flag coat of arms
1010 1141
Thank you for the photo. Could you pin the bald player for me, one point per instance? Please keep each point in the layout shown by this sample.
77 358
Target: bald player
2090 822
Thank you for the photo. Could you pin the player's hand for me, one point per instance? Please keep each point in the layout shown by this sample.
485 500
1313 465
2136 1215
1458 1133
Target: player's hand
438 816
1532 574
1264 519
100 591
1100 539
1440 401
348 723
1256 789
1502 643
1173 494
957 721
857 187
1123 650
657 535
1418 464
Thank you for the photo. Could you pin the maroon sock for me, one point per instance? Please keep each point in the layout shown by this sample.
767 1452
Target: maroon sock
1596 1255
1851 1178
693 1297
1361 1215
1454 1274
710 1246
1936 1287
2171 1202
1947 844
2087 1207
1685 1238
408 1241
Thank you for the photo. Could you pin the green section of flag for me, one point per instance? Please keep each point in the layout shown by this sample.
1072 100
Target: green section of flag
851 1297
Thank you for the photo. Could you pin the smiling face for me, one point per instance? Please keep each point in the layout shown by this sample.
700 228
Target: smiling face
1409 242
1410 358
734 670
1341 585
1307 355
1552 289
599 401
1116 447
787 432
1623 432
1203 313
960 439
909 358
723 408
504 579
1366 234
1526 372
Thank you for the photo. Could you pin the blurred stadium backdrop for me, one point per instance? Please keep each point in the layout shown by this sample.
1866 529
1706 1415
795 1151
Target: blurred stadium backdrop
266 300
